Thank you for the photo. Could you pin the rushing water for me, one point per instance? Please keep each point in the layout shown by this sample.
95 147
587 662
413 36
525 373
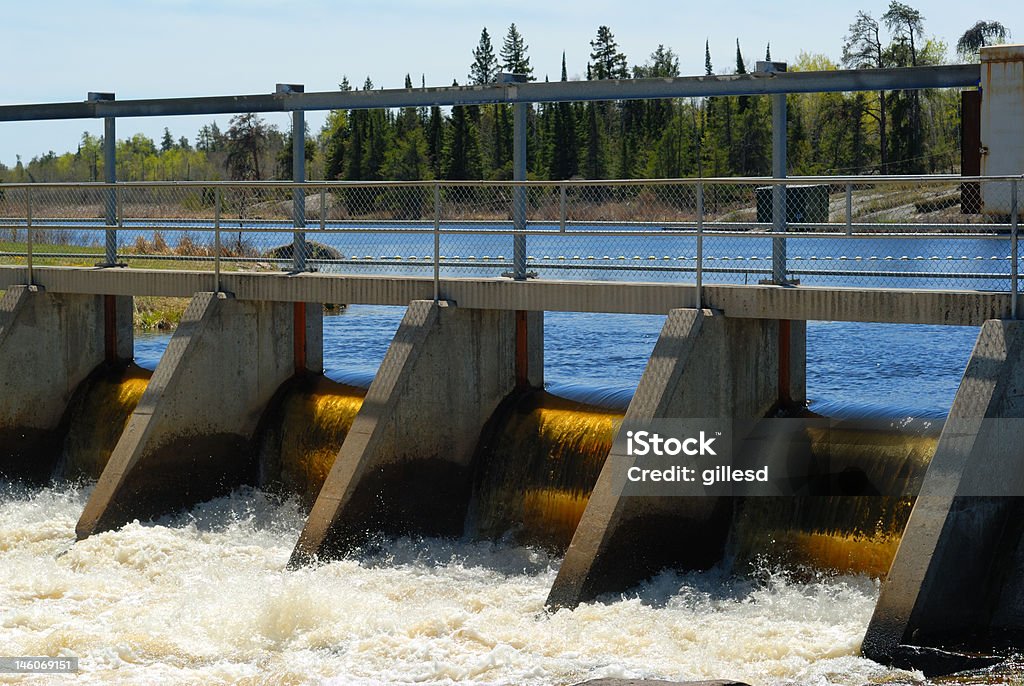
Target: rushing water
205 598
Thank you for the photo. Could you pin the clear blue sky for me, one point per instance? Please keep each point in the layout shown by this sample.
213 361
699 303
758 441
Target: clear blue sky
57 51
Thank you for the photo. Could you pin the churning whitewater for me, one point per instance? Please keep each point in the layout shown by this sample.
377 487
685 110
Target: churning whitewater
206 598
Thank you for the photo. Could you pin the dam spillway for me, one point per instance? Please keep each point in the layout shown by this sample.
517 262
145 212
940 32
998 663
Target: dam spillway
531 502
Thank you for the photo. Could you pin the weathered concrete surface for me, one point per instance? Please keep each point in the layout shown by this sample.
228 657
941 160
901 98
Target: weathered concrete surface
49 344
704 365
958 576
910 306
187 439
405 465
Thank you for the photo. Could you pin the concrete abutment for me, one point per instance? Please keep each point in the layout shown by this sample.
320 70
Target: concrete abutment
704 366
406 463
187 439
49 344
958 576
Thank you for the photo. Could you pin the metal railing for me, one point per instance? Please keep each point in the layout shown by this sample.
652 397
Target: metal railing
890 232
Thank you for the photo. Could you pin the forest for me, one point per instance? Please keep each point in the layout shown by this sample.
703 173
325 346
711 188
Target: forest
900 132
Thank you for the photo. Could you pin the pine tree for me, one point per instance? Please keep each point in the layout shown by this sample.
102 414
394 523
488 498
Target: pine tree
167 142
514 59
606 62
484 69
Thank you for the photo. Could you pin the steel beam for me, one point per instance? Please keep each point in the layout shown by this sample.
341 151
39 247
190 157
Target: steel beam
906 78
298 176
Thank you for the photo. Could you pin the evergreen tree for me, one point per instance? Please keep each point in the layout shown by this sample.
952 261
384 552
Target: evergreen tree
484 69
461 158
167 142
334 134
435 140
514 59
563 160
606 62
978 36
247 139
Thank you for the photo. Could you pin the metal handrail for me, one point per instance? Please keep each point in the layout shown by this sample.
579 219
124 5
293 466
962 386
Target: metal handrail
444 183
117 218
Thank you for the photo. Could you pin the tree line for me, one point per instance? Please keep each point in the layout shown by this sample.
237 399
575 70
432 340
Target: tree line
897 132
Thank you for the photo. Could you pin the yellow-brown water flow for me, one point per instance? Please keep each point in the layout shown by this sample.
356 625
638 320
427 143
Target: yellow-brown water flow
538 463
303 431
97 416
843 533
541 459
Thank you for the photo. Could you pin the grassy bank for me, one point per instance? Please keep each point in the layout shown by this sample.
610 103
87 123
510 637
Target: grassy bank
155 313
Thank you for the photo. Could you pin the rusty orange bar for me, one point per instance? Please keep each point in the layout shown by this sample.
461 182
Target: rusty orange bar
299 336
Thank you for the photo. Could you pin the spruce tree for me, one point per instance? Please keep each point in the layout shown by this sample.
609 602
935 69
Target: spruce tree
563 160
514 59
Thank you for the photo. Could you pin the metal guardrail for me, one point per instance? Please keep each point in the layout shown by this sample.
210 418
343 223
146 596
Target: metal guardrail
890 232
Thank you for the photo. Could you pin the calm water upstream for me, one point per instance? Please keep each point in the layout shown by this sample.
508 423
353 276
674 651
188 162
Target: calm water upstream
205 598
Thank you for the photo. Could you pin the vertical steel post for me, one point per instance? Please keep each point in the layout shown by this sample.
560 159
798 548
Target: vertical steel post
110 177
216 240
323 209
298 176
700 245
519 111
28 234
437 242
519 190
1014 211
561 207
778 172
849 209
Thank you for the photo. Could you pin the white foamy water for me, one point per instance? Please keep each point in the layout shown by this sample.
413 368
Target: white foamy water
205 598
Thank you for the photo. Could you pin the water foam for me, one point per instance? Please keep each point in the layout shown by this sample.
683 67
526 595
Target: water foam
205 597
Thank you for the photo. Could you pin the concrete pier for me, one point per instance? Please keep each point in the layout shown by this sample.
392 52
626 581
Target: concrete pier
405 465
49 344
704 365
187 440
958 577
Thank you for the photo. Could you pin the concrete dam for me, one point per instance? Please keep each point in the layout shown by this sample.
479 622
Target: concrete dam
499 458
456 441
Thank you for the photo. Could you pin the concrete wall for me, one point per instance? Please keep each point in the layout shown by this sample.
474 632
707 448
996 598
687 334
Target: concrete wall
187 440
49 344
406 462
958 575
704 365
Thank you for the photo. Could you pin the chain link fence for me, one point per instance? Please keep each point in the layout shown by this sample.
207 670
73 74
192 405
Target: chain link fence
871 232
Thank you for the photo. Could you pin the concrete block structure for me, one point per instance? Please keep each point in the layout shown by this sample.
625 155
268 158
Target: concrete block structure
49 344
958 577
187 439
704 365
405 465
